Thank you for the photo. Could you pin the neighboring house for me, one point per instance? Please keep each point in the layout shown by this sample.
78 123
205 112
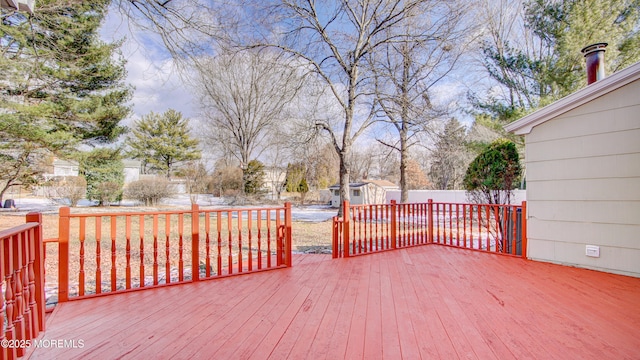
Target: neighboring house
131 170
70 168
274 180
63 168
365 192
583 176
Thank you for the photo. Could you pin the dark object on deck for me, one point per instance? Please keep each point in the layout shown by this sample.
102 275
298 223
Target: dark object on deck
9 204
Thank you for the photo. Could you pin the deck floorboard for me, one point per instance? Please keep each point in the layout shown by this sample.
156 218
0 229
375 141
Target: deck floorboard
424 302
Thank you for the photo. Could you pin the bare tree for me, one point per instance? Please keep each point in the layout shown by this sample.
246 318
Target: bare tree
244 97
187 28
334 42
408 69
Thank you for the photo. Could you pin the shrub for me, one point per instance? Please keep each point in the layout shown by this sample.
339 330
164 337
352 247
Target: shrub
73 188
107 192
149 191
494 173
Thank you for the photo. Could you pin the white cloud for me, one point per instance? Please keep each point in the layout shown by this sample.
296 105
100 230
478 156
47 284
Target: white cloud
157 85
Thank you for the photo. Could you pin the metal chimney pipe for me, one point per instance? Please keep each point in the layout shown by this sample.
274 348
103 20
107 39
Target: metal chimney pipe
595 61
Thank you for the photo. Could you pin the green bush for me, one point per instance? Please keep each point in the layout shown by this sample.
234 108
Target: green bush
494 173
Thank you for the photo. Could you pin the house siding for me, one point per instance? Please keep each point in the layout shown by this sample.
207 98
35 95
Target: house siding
583 184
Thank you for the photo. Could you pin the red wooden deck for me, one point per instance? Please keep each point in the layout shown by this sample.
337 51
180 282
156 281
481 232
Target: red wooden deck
425 302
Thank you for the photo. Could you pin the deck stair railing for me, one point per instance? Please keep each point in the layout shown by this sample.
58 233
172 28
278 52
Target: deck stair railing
367 229
105 253
22 276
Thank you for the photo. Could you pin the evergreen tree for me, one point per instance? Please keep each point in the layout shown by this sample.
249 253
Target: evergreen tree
162 141
494 173
552 66
104 171
60 86
449 157
295 174
253 177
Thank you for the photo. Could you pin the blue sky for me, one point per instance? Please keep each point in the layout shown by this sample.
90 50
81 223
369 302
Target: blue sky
150 70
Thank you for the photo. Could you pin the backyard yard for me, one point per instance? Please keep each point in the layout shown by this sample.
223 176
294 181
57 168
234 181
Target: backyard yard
159 251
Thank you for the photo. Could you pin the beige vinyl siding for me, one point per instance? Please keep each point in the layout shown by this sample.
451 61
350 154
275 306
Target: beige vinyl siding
583 184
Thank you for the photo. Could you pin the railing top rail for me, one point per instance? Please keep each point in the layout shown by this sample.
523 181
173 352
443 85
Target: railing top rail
367 205
170 212
16 230
242 209
474 204
352 206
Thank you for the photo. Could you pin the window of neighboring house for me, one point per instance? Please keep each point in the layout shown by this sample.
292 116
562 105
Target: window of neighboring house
355 192
336 192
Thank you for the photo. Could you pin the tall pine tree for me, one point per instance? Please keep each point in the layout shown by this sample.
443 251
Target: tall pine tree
60 86
162 142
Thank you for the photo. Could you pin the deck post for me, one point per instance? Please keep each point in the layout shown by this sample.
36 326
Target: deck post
430 220
524 229
195 242
334 238
36 269
287 234
394 224
345 226
63 254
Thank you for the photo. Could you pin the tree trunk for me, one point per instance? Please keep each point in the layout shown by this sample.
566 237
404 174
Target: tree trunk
404 154
344 179
2 194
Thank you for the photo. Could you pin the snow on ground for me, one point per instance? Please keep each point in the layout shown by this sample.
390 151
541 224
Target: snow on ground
308 213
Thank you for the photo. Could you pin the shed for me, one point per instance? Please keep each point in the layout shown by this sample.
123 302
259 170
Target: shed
583 176
365 192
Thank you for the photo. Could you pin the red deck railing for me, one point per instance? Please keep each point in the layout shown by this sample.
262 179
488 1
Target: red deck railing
118 252
487 227
22 274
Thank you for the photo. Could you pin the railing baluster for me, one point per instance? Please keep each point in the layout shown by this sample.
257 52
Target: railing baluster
114 277
250 251
81 280
9 293
207 230
127 269
195 242
269 238
240 241
258 225
487 209
514 227
278 239
219 231
167 251
230 243
155 249
141 224
18 318
98 224
181 247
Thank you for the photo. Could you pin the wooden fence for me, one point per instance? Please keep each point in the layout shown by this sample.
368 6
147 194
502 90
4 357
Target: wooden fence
22 274
365 229
108 253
